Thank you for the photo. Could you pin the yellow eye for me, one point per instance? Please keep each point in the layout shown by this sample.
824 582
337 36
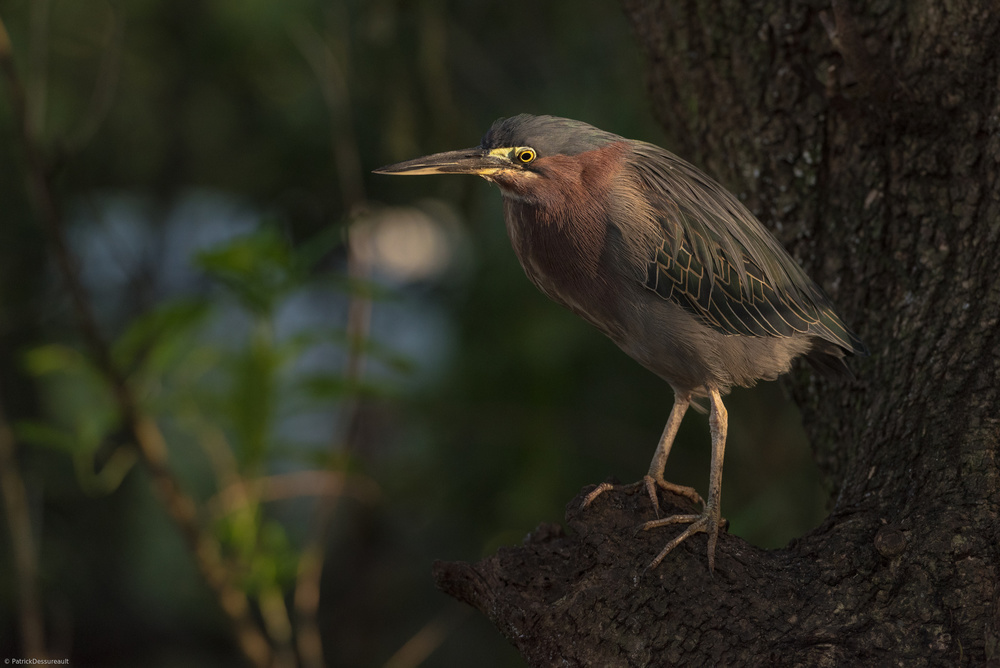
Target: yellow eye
526 155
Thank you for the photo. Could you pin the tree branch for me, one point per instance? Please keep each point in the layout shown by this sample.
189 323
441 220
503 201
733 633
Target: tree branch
22 539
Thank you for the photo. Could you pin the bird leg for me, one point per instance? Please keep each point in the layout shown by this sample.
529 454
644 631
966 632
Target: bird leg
658 465
655 476
708 521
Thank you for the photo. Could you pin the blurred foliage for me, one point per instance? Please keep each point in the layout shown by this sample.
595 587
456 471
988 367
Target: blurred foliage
210 158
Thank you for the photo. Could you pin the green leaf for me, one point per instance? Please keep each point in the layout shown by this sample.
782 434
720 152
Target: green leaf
78 398
46 435
54 358
274 563
253 397
152 334
331 386
257 268
109 477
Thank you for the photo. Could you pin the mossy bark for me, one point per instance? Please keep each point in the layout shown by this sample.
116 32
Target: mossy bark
866 135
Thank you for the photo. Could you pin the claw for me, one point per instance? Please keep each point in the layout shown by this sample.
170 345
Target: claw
680 490
650 484
596 492
707 522
651 491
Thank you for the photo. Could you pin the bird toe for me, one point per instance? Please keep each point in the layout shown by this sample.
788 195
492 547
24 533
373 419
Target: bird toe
706 522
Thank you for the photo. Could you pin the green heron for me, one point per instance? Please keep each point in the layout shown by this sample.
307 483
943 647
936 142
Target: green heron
664 261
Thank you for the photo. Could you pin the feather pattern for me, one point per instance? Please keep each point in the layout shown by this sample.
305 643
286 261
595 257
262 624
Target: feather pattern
718 262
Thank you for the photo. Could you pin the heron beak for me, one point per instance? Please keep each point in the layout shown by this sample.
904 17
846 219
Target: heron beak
465 161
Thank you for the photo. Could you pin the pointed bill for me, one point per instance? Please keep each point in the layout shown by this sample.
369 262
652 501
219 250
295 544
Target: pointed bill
465 161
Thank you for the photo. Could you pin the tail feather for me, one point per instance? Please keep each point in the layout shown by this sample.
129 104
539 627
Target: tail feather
828 360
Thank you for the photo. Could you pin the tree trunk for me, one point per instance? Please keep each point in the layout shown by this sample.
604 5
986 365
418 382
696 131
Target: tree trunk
867 136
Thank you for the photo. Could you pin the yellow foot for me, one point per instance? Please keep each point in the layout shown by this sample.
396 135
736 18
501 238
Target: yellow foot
650 483
707 522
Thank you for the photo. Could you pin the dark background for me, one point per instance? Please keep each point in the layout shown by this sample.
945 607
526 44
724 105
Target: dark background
210 159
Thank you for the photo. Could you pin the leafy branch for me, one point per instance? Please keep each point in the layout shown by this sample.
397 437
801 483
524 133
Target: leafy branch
141 427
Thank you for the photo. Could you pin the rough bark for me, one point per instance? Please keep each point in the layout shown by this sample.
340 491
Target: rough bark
867 136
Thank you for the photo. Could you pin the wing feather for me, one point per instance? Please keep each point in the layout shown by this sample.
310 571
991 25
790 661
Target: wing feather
717 261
